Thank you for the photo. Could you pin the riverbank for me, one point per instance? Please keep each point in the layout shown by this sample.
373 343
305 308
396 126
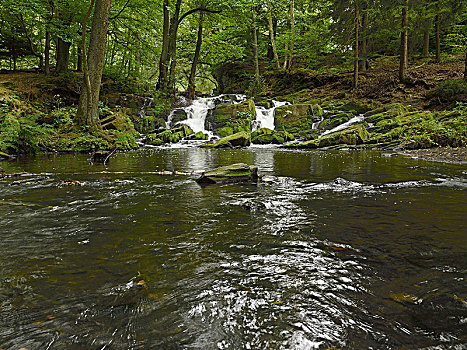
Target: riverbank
37 112
439 154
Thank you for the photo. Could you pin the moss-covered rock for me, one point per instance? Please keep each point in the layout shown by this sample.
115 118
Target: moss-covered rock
238 117
330 121
225 131
266 136
153 140
240 139
261 131
200 136
354 135
294 118
183 130
239 172
117 121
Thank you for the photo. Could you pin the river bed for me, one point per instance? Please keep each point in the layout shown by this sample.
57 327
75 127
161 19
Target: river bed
342 249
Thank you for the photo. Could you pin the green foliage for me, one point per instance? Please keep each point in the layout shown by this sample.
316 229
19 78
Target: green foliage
449 90
19 131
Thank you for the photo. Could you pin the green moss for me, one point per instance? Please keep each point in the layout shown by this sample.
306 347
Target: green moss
152 139
240 139
225 131
200 136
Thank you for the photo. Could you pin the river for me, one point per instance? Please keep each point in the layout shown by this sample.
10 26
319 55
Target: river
349 250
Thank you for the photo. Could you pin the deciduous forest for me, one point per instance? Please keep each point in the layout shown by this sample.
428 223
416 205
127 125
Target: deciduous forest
85 57
248 174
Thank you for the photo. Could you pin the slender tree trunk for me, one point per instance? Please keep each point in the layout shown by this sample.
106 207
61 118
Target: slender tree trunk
79 62
31 45
292 32
426 41
271 35
438 48
286 46
63 56
163 61
356 49
403 49
173 44
47 52
191 80
363 49
465 70
255 47
88 113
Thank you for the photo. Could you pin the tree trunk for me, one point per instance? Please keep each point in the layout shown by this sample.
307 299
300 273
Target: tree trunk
191 80
163 61
41 59
426 41
173 43
403 49
465 70
356 49
438 48
63 56
363 48
271 35
292 33
88 113
255 47
79 62
47 52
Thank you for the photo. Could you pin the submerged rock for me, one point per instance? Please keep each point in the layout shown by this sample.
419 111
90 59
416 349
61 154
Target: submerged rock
240 139
239 172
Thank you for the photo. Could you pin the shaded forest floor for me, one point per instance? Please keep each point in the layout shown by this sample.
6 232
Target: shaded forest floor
428 84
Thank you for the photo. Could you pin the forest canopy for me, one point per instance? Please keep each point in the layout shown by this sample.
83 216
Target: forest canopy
181 44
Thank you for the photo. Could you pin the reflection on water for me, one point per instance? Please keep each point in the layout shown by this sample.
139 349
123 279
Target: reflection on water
343 249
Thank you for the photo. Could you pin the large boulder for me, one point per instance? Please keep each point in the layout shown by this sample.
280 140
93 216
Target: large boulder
354 135
239 172
169 135
295 118
240 139
238 117
266 136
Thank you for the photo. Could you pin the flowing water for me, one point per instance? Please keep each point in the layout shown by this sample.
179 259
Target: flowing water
350 250
265 116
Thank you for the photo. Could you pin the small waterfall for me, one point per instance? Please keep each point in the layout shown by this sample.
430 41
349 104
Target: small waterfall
345 125
199 108
315 124
147 103
265 116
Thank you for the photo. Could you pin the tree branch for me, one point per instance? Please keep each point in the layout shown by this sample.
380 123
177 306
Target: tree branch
202 9
28 37
120 12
